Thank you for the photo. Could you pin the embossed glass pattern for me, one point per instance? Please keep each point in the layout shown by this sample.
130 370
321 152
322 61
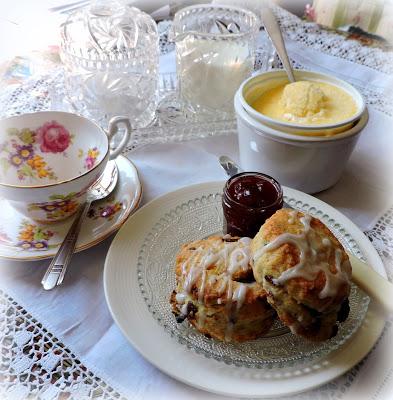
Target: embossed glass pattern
215 52
110 54
199 218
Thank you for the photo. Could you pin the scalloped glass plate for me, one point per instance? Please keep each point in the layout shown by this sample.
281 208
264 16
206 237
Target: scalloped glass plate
196 219
139 277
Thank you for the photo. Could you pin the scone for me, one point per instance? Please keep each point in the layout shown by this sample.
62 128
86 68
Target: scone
305 272
216 290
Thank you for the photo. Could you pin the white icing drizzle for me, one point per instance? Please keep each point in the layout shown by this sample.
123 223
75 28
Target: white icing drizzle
201 290
292 216
229 294
326 242
234 256
245 240
223 284
183 309
333 281
314 255
239 295
239 259
180 298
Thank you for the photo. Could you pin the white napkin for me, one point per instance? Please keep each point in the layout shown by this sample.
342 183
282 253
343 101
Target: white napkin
365 189
76 313
166 167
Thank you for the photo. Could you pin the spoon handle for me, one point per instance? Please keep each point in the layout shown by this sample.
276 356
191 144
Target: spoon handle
54 275
274 32
377 287
229 166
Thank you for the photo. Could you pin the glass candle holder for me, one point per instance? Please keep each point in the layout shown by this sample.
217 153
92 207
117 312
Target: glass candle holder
110 54
215 53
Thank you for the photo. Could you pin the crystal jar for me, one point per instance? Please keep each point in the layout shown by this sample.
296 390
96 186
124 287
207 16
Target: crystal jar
215 52
110 54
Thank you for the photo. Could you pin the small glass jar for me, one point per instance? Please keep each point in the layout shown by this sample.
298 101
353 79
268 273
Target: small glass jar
215 52
249 199
110 54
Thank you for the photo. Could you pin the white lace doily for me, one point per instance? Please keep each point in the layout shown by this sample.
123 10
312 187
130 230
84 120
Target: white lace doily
335 44
35 364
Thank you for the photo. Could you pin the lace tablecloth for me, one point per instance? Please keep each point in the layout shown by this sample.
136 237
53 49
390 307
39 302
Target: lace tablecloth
35 364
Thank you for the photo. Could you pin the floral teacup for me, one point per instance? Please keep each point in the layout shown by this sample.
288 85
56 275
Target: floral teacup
49 160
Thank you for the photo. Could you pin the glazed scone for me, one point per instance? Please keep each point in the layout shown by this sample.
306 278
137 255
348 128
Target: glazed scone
305 272
216 290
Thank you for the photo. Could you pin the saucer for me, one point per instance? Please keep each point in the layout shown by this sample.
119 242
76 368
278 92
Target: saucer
27 240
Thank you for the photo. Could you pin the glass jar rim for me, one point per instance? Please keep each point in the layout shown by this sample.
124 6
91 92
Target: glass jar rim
266 177
253 28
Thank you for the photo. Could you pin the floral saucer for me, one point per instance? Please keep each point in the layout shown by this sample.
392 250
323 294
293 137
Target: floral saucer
24 239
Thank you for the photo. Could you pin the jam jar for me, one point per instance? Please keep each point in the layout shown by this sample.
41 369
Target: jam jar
249 199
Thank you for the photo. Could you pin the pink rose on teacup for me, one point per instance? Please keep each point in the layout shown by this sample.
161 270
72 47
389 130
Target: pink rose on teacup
53 137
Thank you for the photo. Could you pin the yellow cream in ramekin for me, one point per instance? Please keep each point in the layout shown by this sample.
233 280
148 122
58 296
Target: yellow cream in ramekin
306 103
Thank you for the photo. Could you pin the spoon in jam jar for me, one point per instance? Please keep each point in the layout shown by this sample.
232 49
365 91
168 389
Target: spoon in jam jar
251 197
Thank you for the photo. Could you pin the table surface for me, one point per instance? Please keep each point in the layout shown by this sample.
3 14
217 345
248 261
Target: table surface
65 355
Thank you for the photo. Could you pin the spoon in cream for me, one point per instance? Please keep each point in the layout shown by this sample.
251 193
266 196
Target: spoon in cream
273 29
373 284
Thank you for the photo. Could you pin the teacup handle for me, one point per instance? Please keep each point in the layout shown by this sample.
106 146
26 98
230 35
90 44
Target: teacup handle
113 129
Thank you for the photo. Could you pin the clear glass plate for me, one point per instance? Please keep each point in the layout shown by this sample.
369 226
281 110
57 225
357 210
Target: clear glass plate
197 219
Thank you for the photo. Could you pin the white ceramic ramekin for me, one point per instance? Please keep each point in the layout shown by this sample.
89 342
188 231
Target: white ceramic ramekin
254 87
304 162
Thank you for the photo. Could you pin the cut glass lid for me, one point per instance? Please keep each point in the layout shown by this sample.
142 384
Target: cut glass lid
104 30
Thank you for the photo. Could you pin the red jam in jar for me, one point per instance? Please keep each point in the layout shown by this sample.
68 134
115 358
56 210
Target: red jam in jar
249 199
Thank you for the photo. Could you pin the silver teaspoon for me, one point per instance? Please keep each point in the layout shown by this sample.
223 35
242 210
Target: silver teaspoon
105 185
273 29
229 166
377 287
